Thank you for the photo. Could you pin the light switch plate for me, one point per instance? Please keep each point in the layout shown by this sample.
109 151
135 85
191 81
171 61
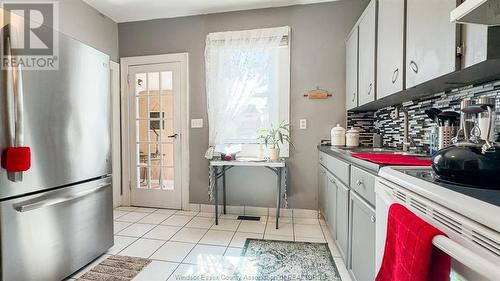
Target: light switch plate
196 123
303 124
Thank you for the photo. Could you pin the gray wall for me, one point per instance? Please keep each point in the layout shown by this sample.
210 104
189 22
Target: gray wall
82 22
318 59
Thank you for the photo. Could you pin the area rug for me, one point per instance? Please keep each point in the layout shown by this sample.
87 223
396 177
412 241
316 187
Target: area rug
283 260
116 268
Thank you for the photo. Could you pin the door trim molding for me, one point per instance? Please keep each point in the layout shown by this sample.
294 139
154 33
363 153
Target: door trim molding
116 134
125 63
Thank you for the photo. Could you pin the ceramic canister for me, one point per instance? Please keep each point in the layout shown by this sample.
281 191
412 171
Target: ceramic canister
338 136
352 138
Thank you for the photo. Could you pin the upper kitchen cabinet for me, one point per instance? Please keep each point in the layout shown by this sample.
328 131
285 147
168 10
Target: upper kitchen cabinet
431 40
390 49
367 53
352 69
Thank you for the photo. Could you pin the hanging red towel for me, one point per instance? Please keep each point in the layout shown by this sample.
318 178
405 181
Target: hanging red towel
409 254
392 159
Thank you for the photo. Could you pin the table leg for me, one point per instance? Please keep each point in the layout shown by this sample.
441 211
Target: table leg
278 200
216 194
224 188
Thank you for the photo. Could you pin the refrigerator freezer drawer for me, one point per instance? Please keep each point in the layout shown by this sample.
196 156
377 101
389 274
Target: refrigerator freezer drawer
50 235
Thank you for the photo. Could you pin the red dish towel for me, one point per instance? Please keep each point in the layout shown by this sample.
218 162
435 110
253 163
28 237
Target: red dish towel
409 254
392 159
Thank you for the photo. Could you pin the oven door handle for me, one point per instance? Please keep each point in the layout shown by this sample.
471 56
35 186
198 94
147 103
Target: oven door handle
466 257
26 207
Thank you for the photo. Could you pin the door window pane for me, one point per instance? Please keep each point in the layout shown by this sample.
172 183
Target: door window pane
143 154
167 103
142 107
167 82
168 154
168 178
141 84
154 149
168 130
142 130
142 173
155 177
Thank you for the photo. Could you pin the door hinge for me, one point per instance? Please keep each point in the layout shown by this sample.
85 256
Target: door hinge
460 50
129 185
128 79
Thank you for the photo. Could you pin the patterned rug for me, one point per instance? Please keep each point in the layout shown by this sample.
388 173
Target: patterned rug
116 268
282 260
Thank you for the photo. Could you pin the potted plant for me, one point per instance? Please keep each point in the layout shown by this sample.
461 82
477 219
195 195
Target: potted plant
273 138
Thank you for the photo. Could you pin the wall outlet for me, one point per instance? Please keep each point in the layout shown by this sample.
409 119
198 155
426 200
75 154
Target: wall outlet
196 123
303 124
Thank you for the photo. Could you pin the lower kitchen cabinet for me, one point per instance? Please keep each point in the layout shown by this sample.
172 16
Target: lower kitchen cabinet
342 219
331 209
362 243
322 199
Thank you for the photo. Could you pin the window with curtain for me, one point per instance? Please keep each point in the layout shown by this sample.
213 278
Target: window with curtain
248 85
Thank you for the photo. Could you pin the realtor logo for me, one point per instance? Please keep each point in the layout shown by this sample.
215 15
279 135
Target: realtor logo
29 36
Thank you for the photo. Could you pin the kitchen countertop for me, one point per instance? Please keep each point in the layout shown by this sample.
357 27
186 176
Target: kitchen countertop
344 153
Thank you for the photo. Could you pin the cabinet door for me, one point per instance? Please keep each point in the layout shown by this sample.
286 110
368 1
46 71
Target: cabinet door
352 69
431 40
475 40
342 220
367 54
362 244
332 205
321 191
390 49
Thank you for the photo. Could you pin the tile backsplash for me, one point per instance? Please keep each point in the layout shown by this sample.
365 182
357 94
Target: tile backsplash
420 126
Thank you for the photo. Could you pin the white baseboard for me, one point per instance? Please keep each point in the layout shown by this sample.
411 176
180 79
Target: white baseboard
255 211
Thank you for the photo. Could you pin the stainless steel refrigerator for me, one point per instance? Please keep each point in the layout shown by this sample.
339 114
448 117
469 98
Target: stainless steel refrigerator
59 217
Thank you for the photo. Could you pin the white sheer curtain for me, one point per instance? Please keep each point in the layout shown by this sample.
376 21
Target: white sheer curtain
237 68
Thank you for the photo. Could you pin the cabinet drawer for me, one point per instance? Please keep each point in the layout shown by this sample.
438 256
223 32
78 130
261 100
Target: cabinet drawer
322 158
338 168
363 183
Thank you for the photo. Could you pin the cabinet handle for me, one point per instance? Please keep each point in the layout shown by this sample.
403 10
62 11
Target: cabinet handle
359 182
370 88
395 75
373 219
414 66
353 97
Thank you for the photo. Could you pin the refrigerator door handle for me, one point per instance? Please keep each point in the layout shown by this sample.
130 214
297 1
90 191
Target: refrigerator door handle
26 207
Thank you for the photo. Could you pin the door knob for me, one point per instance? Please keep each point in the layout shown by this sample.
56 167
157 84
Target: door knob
174 136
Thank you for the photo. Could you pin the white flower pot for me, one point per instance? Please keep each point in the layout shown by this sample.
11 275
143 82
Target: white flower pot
274 154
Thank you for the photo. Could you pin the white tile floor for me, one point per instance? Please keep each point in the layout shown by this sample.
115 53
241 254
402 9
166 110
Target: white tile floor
183 243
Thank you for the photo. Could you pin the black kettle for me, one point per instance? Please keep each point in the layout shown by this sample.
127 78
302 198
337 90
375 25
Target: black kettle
470 163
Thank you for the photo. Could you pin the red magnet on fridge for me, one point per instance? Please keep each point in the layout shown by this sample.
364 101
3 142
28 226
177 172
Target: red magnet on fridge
16 159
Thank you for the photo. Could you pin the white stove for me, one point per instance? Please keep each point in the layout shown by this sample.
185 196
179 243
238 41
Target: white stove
469 217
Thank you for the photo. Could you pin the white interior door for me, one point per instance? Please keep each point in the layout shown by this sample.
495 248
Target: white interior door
155 125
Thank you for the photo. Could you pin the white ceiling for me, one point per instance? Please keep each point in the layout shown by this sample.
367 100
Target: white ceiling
136 10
